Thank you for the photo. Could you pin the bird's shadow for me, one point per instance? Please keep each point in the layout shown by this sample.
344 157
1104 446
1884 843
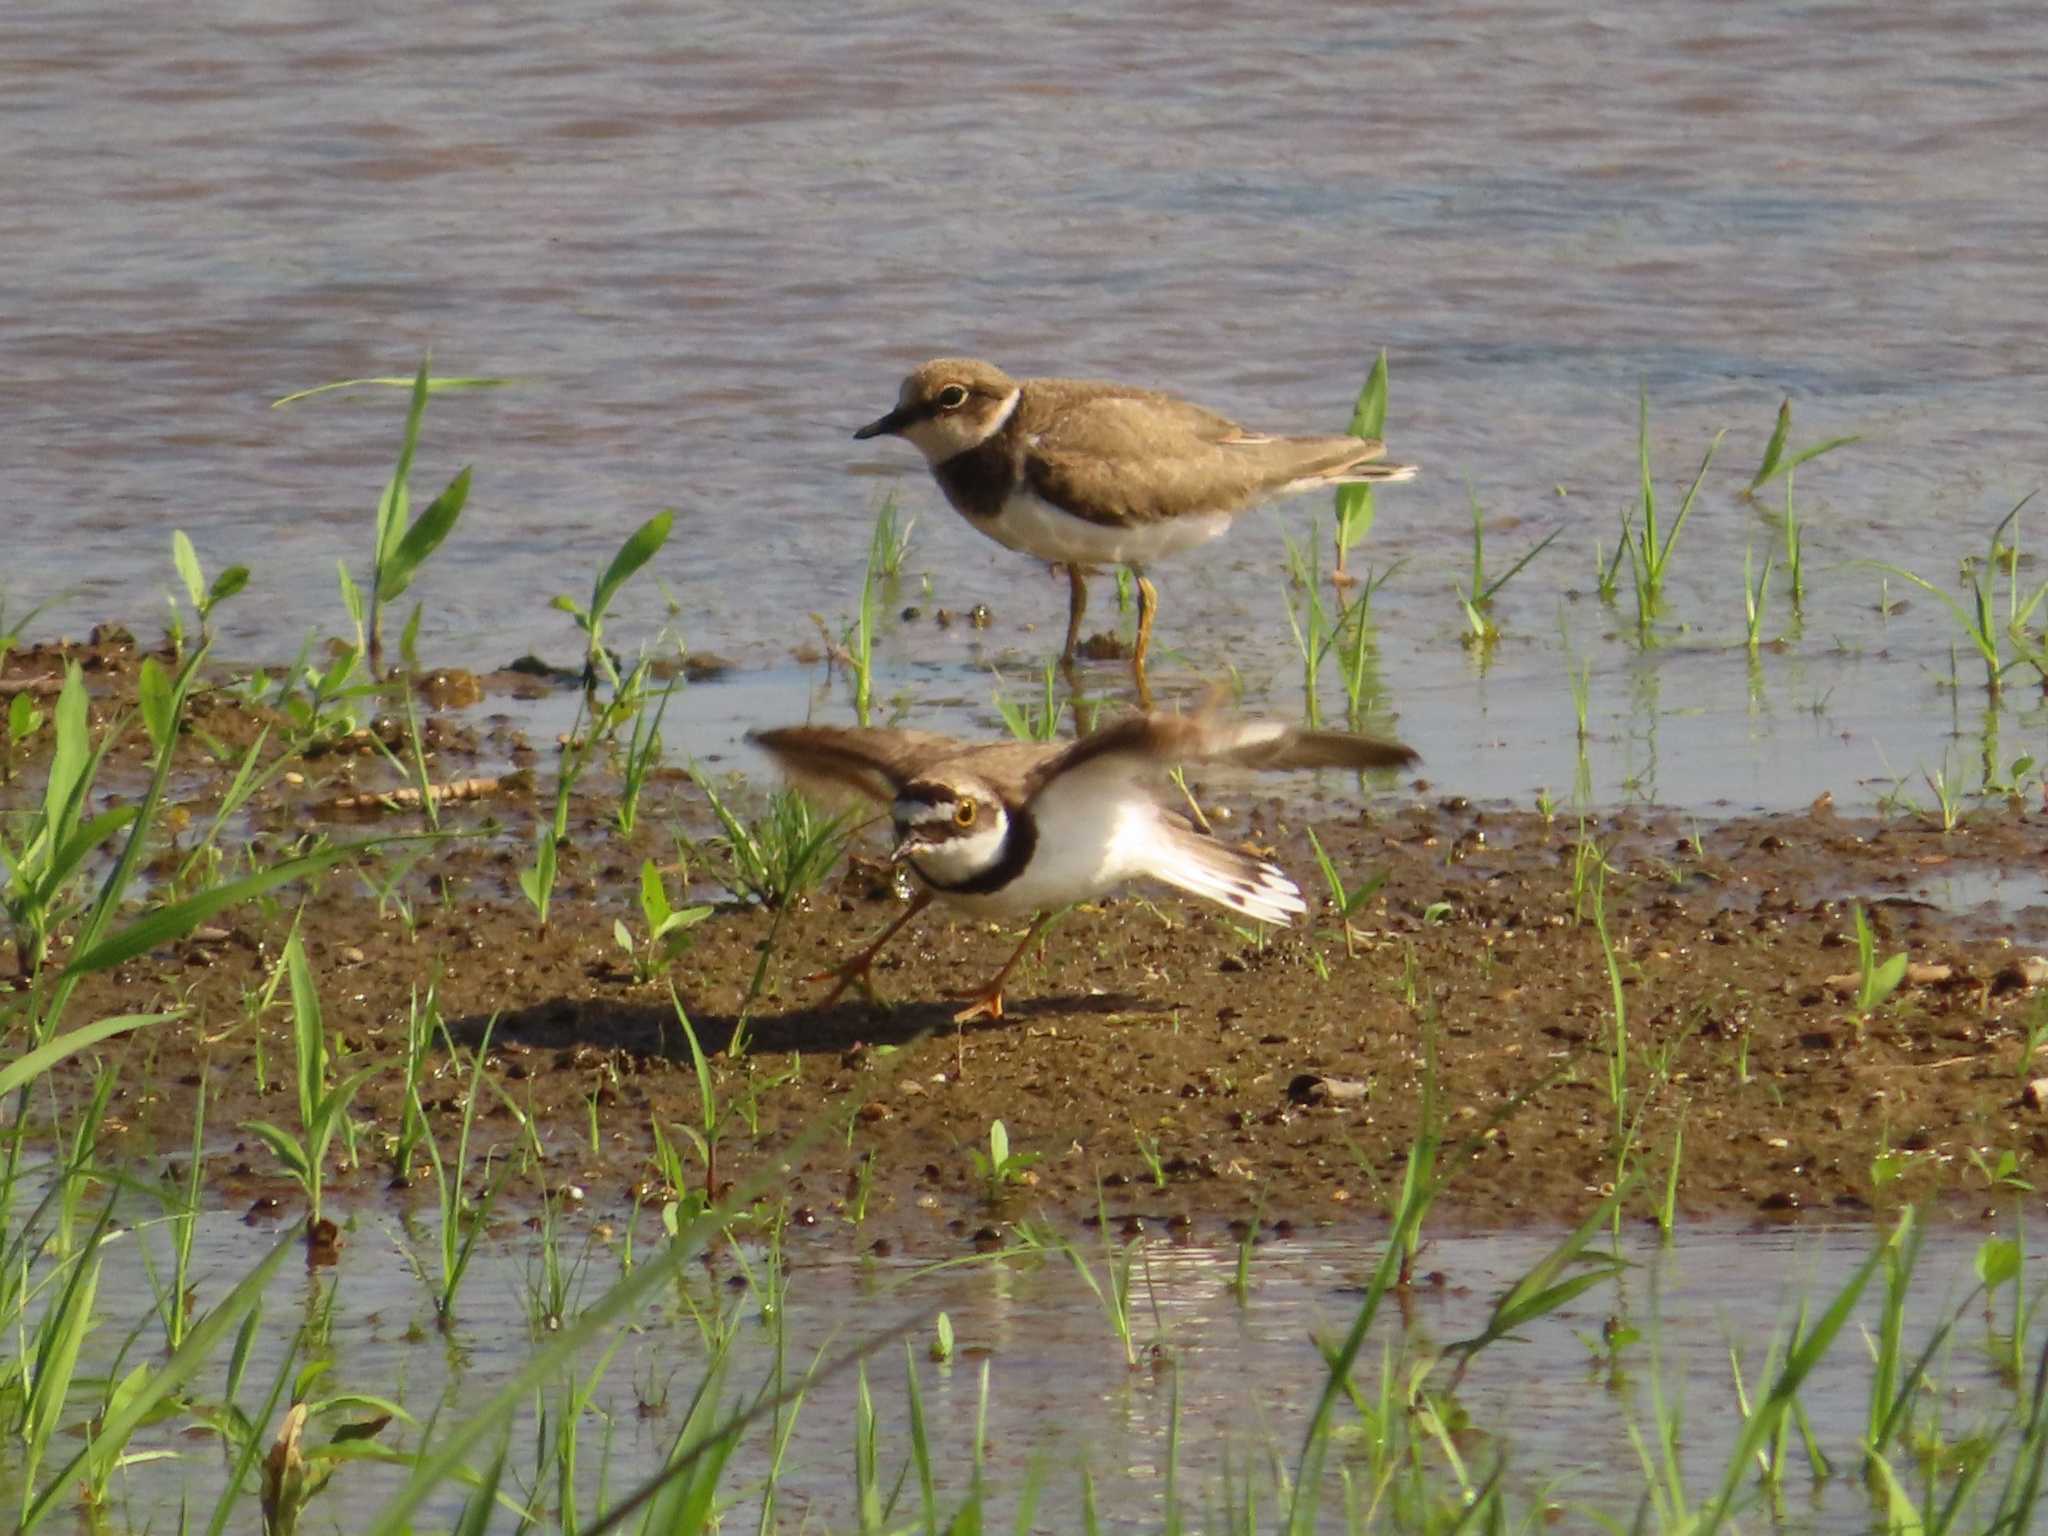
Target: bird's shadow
650 1029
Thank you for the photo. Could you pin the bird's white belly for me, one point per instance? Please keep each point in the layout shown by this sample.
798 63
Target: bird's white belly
1037 527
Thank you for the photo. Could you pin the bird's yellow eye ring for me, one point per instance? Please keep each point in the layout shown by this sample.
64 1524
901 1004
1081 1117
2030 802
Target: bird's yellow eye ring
963 814
952 397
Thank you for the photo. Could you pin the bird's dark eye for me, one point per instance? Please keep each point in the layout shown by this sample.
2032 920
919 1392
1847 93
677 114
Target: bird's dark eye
963 814
952 397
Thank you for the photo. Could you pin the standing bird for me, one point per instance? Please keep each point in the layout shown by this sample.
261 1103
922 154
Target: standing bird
1012 828
1086 474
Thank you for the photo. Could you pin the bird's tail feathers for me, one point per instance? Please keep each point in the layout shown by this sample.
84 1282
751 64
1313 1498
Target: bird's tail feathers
1217 872
1357 474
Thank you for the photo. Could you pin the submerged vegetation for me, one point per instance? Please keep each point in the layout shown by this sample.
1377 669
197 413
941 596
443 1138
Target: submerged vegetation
189 1039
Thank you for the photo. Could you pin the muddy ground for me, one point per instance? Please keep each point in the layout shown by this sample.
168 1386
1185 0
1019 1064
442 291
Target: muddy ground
1200 1076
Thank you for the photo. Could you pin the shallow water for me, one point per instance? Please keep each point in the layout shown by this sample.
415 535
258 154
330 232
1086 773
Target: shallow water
708 246
1060 1396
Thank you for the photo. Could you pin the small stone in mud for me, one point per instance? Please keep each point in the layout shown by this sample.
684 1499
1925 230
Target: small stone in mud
2022 975
1103 646
323 1244
531 665
451 688
706 666
2036 1094
1314 1088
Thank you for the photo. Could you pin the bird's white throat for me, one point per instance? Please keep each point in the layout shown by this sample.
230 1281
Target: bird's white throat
962 856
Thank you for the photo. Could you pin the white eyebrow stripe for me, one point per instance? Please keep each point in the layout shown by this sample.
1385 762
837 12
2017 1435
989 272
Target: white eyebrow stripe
1005 411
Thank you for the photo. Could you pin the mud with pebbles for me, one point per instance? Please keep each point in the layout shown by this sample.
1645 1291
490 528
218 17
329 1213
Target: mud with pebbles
1197 1076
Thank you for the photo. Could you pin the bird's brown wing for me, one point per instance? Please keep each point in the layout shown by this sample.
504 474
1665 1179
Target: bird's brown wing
1132 457
874 764
1198 738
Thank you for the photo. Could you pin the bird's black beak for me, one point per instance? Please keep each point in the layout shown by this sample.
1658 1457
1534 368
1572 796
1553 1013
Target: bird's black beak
887 425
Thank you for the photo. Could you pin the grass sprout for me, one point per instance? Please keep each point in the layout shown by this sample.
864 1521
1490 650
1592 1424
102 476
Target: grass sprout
1476 600
1354 502
1977 615
1877 979
403 542
777 858
1776 461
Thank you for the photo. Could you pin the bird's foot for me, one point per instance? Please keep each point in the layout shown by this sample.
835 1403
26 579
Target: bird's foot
986 1004
854 972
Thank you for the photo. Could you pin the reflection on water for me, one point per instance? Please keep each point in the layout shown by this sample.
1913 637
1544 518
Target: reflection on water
1557 1402
710 245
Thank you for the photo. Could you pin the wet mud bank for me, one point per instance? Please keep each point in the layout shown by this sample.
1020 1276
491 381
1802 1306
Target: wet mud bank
1197 1075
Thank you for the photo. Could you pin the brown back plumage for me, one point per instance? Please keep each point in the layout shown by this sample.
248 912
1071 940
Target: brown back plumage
1125 456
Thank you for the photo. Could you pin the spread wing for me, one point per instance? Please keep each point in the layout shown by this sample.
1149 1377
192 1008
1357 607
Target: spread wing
873 764
1148 741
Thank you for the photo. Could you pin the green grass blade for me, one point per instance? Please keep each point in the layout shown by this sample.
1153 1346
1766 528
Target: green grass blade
1775 448
76 848
92 1461
394 506
186 559
173 922
639 548
26 1069
72 754
1516 569
1799 1364
435 386
1368 419
1964 619
1804 455
425 536
1369 415
309 1034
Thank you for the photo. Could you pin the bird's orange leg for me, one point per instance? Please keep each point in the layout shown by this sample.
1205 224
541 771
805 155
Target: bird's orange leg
987 1003
856 969
1148 607
1077 605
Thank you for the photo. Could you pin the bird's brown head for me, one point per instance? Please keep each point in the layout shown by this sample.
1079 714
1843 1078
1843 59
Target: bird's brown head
951 828
948 406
